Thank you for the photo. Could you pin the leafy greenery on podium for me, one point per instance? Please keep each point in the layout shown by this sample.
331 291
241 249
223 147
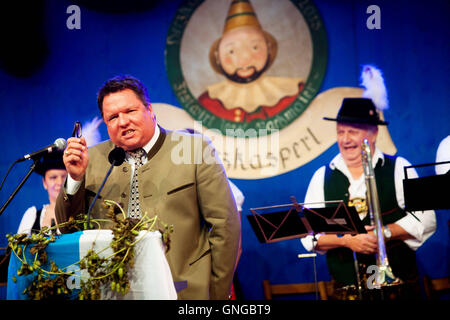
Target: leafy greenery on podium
111 271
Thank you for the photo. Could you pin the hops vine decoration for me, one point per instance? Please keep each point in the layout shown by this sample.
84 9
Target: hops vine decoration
109 271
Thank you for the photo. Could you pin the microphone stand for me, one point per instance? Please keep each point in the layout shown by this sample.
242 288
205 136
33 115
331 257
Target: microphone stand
30 171
88 219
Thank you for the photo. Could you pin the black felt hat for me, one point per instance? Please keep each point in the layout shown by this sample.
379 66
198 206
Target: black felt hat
358 110
52 160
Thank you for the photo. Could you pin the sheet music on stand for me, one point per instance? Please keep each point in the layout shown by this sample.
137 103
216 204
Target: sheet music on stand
426 192
297 220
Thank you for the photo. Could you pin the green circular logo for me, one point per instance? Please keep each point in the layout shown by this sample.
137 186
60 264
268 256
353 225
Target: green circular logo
242 65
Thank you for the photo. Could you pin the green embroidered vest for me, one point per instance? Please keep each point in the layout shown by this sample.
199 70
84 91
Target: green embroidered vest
401 258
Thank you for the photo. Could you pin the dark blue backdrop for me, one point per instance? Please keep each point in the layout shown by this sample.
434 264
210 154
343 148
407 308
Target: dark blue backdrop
411 48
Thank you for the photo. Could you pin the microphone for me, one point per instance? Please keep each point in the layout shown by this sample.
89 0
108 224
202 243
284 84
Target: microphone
60 144
116 157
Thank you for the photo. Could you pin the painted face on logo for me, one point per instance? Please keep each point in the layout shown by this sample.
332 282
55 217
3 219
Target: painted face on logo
350 137
52 182
243 54
130 123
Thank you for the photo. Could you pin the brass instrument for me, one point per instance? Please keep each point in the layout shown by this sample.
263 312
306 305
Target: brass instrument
384 275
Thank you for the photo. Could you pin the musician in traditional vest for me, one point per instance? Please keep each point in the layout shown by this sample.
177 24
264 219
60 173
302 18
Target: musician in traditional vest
343 179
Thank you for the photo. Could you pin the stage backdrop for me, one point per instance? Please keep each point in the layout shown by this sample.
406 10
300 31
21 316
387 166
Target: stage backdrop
56 54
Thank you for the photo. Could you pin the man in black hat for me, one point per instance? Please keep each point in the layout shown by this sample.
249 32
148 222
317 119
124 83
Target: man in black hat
343 179
51 168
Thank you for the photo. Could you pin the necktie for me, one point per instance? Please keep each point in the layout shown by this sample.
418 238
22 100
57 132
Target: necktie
134 211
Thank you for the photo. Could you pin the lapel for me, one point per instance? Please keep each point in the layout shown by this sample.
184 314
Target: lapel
158 144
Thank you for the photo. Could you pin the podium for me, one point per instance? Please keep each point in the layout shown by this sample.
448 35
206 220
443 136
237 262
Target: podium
426 193
297 220
150 278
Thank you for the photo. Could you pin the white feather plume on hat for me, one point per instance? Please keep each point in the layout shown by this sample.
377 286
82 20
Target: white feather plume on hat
373 82
91 133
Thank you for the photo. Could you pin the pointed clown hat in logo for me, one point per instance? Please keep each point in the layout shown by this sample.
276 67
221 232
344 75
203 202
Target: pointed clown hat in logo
241 14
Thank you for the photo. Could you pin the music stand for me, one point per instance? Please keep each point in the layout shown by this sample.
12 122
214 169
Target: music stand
426 193
297 220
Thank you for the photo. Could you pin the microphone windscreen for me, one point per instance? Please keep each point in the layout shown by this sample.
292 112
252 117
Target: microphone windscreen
60 144
116 156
